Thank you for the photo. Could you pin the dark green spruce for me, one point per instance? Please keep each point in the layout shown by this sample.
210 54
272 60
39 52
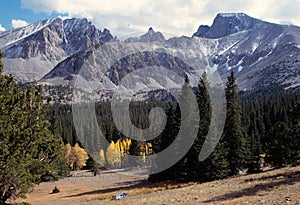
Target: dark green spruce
233 131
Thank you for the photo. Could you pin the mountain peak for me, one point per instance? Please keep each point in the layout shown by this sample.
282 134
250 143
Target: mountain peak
226 24
150 30
231 15
51 40
150 36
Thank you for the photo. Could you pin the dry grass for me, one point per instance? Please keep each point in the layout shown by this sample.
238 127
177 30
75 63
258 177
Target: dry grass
143 188
265 188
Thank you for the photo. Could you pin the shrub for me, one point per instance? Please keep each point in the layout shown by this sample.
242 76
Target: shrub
55 190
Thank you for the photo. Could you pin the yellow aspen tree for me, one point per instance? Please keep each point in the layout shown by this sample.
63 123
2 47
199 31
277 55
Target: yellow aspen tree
70 156
102 157
117 145
127 143
146 149
109 153
149 149
68 149
142 148
81 156
123 146
117 154
113 157
124 151
144 157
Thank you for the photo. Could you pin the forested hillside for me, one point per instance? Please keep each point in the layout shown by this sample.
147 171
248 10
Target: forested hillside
263 125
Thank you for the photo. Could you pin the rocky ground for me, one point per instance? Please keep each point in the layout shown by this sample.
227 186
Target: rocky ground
280 186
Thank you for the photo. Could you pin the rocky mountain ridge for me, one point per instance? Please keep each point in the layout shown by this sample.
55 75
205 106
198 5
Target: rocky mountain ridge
32 51
55 51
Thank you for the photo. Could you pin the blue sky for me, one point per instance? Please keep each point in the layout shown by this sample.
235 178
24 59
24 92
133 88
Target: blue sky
126 17
12 9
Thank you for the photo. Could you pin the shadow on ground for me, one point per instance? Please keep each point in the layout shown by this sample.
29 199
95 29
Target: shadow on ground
120 186
287 178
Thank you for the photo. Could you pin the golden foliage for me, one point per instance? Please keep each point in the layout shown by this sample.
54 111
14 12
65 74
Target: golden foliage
113 157
102 158
76 156
117 151
81 156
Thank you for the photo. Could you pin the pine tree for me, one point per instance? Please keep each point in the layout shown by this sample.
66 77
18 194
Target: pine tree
295 116
280 146
177 128
163 141
196 169
215 166
28 149
233 133
187 115
254 145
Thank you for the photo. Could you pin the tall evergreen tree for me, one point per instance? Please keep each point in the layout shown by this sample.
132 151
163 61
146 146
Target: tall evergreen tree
215 166
295 115
233 133
280 146
181 170
163 141
254 142
197 170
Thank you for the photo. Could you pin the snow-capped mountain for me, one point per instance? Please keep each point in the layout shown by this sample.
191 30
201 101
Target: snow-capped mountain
229 23
253 49
32 51
56 52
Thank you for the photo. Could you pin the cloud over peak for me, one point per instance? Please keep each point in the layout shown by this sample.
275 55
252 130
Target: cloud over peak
180 17
17 23
2 28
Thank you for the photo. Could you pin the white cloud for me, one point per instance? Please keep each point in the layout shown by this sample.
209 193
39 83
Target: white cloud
2 28
64 17
180 17
17 23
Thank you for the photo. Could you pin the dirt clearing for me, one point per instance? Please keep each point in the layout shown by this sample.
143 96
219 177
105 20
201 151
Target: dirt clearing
281 186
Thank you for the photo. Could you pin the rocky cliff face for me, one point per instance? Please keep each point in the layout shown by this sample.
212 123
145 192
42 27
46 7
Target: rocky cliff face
229 23
251 48
44 44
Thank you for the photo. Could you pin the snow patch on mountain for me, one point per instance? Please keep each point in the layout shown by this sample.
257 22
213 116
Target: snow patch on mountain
10 37
44 44
229 48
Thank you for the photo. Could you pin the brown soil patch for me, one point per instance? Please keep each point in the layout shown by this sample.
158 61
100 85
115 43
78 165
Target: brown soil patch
270 187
